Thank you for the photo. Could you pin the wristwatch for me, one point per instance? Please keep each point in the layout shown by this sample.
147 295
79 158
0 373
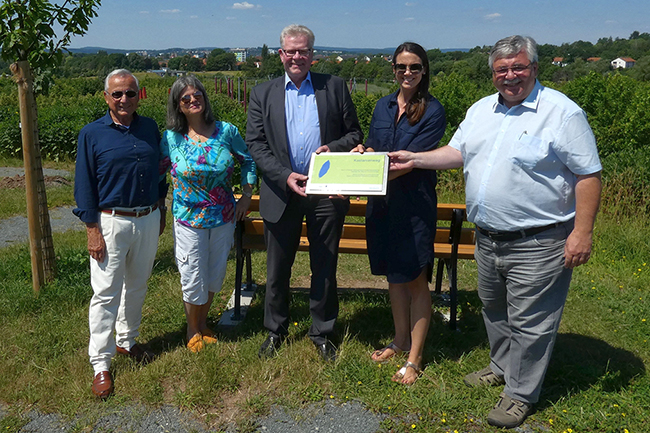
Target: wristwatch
247 194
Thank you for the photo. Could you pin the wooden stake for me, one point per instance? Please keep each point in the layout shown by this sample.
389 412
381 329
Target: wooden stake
37 213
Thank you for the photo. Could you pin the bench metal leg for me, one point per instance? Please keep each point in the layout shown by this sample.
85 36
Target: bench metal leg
239 232
439 272
249 271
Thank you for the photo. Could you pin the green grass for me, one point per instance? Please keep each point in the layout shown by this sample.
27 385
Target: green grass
597 381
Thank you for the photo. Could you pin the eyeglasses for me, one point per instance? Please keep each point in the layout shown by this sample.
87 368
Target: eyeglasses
516 69
129 94
301 53
415 68
186 99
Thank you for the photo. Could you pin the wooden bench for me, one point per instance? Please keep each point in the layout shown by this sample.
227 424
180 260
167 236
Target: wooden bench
452 243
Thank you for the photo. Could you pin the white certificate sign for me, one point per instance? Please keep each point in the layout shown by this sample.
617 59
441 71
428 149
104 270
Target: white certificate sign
345 173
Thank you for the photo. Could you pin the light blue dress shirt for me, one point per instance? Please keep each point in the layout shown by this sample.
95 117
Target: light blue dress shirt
303 126
521 164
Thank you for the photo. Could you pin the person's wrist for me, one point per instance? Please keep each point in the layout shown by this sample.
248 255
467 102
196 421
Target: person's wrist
248 194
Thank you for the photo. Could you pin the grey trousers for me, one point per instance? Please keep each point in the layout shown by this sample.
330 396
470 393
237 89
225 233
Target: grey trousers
523 285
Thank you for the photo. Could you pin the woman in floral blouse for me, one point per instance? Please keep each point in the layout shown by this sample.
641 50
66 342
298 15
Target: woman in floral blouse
200 152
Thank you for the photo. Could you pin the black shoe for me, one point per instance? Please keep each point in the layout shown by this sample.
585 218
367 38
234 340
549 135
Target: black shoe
326 350
270 347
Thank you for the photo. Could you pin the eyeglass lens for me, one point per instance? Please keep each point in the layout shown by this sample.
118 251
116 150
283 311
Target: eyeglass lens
185 99
129 94
414 68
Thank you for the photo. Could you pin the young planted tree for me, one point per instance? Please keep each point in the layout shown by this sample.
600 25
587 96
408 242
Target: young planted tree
29 41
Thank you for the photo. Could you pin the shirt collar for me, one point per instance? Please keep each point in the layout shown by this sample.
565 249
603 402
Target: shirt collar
108 120
287 80
392 99
531 102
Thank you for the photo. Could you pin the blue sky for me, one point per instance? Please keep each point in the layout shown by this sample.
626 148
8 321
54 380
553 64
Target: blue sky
149 24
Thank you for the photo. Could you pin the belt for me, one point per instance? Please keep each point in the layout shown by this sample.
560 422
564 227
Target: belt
517 234
136 212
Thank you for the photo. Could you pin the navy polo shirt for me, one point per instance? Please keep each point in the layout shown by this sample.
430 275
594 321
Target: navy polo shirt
117 166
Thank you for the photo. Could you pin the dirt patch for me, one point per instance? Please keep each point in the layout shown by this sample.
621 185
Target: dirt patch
18 181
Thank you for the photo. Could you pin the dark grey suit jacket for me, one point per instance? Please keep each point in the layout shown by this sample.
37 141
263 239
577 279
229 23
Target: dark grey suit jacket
266 134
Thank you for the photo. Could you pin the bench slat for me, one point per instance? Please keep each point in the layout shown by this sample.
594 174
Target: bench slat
358 207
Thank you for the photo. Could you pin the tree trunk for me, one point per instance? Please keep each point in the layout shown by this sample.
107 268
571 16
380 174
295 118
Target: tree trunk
40 232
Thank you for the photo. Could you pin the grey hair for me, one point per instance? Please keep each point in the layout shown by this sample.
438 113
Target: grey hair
513 45
120 73
295 30
176 120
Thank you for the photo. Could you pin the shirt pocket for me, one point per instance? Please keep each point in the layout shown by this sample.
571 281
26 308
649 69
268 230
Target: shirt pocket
382 136
529 151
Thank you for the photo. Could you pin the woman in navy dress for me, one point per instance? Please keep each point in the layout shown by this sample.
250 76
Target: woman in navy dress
401 226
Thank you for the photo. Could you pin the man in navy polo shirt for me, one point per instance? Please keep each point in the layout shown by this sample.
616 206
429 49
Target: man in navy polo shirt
121 198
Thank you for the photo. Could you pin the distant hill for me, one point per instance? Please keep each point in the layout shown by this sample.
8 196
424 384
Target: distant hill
94 50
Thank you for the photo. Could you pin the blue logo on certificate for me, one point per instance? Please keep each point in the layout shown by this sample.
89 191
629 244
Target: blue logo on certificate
324 168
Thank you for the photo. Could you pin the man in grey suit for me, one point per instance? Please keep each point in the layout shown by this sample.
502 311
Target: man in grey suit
289 118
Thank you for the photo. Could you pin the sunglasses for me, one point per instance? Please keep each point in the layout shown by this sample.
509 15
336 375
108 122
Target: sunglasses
415 68
129 94
186 99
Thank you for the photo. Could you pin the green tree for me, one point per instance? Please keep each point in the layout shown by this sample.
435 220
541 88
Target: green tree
219 60
27 32
28 38
641 69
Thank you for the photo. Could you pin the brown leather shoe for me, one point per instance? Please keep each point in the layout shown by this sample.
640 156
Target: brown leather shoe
103 384
139 353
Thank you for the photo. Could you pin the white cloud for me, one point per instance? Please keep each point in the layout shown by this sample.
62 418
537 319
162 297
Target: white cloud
244 5
493 16
194 16
144 12
170 11
231 18
410 4
409 19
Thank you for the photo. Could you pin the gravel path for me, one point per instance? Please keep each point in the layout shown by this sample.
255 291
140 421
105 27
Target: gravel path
326 417
15 230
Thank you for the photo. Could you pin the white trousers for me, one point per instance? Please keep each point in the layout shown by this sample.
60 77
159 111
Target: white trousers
120 284
202 257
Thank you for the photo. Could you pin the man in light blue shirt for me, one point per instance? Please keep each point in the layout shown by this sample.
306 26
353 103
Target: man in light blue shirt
290 118
532 186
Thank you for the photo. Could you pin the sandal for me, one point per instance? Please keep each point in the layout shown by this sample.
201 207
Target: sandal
376 355
209 337
196 343
401 373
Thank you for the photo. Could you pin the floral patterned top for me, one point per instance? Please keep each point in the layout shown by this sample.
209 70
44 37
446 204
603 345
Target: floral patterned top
201 174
